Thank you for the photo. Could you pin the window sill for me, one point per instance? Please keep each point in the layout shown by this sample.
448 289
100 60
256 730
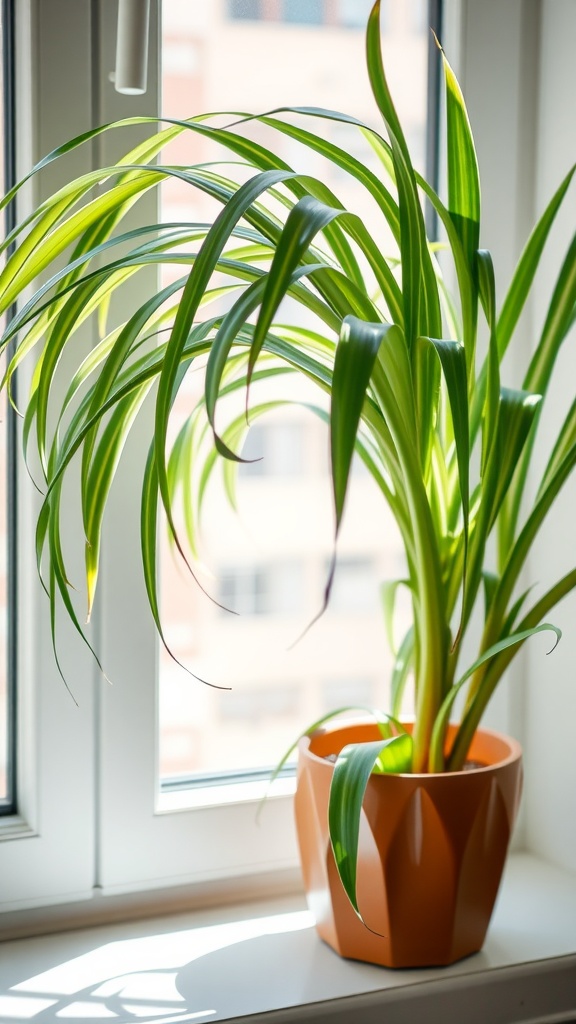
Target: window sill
263 961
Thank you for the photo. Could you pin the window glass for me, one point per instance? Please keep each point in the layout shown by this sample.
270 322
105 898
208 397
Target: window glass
275 448
346 690
354 13
304 12
247 10
354 585
266 562
276 588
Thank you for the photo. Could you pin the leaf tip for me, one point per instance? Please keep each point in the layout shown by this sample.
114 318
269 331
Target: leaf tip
437 41
558 633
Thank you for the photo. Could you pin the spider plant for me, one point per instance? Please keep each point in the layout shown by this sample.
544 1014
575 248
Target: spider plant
447 441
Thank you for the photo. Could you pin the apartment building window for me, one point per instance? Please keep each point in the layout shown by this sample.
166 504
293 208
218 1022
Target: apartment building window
351 14
354 13
245 10
355 588
275 589
275 449
303 12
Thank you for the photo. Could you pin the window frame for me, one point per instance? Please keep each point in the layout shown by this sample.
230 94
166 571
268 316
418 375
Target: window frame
55 752
8 803
89 805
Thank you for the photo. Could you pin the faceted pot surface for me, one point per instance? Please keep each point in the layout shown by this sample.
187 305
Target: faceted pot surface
431 853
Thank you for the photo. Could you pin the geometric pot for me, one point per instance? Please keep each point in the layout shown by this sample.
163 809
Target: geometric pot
431 852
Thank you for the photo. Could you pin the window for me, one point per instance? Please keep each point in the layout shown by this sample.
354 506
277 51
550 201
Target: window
90 814
346 13
276 589
4 726
355 588
268 562
244 10
303 12
354 13
275 449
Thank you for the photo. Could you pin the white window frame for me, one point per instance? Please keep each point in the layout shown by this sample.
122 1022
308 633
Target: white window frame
90 822
47 849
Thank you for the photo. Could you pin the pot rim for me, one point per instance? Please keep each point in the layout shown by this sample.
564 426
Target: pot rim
514 754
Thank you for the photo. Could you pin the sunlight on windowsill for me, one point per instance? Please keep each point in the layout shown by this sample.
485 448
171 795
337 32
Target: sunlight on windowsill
251 962
152 977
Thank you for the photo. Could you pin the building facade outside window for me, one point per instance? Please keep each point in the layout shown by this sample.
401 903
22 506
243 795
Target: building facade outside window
280 538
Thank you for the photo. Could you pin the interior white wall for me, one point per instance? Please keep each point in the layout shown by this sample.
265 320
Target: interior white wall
549 740
515 64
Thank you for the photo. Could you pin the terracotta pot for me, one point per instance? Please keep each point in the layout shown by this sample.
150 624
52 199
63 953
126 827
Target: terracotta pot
431 853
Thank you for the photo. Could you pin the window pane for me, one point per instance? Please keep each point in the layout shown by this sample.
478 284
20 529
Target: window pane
274 448
354 13
245 10
266 564
304 12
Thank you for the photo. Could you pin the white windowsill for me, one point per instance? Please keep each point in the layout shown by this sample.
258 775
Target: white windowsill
263 961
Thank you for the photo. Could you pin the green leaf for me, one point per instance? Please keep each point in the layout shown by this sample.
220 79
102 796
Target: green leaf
305 220
226 335
559 320
487 286
199 278
508 641
353 364
36 253
99 479
441 723
509 622
516 416
462 167
352 770
383 721
467 286
343 160
427 390
517 553
148 540
419 290
527 267
48 538
452 359
393 389
494 654
490 581
564 443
